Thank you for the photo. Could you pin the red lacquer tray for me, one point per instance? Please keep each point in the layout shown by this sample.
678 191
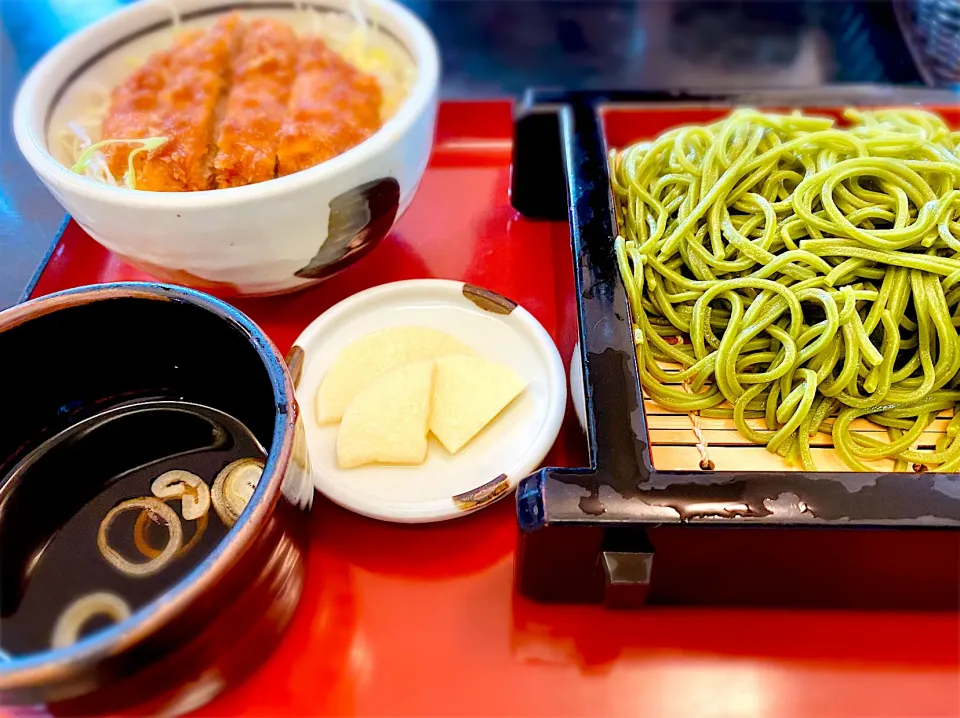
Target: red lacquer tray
424 620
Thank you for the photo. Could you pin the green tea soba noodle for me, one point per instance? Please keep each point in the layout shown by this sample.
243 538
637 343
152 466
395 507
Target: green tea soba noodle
783 269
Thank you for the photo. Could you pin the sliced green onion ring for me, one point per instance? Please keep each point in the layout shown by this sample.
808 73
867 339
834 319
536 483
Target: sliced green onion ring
193 492
233 488
157 507
66 632
143 545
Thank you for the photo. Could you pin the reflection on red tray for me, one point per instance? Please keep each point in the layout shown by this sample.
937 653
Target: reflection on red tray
423 620
624 124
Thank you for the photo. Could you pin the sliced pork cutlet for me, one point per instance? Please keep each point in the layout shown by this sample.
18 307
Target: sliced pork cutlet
196 74
135 112
200 75
262 76
333 106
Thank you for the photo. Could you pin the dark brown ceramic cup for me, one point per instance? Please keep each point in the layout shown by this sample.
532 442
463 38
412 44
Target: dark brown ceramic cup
75 353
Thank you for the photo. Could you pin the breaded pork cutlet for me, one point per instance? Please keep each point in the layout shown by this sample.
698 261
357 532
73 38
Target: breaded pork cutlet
332 107
135 111
238 104
262 76
196 74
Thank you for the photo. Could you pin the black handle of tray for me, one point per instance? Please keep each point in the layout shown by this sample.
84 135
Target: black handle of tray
571 132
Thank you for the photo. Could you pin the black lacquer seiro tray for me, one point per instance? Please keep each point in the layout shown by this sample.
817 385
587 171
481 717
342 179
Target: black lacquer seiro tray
638 526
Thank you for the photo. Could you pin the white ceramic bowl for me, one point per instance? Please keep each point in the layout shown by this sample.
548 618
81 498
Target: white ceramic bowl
265 238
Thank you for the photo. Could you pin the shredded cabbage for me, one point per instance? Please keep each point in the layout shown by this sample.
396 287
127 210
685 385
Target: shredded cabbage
360 45
92 153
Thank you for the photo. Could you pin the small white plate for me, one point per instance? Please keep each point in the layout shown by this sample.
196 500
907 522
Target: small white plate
577 389
490 467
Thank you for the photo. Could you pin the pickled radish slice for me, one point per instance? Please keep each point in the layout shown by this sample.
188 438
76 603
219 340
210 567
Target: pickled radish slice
387 421
373 355
470 392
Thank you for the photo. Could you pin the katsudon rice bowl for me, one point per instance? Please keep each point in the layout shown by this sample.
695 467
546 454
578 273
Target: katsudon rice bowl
238 146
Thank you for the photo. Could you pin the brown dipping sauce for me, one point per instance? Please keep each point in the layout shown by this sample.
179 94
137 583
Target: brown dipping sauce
53 500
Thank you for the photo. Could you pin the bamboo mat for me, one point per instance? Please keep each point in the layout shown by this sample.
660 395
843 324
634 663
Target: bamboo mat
673 442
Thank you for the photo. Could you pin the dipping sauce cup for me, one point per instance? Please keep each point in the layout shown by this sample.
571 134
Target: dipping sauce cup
81 354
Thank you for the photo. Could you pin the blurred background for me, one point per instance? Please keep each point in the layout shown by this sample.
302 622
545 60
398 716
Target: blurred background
501 46
494 48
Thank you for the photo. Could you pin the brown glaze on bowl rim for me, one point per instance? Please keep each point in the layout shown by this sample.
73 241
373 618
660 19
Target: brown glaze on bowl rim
62 665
